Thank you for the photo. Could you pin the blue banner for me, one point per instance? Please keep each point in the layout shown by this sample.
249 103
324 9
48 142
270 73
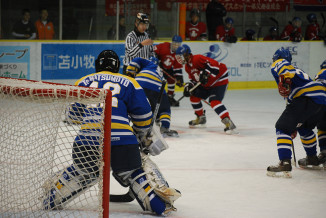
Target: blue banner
73 61
15 62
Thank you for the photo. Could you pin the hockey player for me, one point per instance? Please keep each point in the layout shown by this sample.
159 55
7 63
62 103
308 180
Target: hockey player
321 126
226 32
292 32
273 34
313 29
130 167
306 105
249 35
195 29
213 79
172 70
150 76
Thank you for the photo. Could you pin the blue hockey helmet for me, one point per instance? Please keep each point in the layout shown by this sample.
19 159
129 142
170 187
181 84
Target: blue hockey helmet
154 60
282 53
229 20
183 49
176 39
250 33
323 65
176 42
311 17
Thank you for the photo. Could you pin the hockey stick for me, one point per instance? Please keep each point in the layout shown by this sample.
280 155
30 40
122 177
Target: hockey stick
192 89
259 30
276 23
128 197
323 17
294 158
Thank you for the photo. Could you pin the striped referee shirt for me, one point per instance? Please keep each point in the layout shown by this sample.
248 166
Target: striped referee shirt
134 49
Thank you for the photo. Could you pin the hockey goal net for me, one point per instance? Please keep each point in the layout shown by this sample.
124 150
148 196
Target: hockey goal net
36 143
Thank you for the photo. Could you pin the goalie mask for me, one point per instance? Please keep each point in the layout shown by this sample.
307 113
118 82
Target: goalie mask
107 60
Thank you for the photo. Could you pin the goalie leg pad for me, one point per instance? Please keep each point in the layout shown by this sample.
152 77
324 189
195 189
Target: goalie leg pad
65 186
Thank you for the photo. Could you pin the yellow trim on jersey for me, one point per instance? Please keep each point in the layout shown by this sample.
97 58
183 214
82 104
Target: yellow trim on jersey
142 123
165 116
287 74
132 80
284 141
320 72
121 126
277 61
310 89
310 141
91 126
321 132
149 76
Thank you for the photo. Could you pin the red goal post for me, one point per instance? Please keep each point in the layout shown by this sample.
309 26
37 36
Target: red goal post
44 103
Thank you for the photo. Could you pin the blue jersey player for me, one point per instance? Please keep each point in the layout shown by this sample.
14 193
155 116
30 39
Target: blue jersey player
306 104
130 166
150 76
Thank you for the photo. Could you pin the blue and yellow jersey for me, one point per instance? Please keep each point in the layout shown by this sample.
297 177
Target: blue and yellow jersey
321 76
150 76
128 100
302 84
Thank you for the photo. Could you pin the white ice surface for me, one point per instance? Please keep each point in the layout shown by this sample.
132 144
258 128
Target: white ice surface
223 175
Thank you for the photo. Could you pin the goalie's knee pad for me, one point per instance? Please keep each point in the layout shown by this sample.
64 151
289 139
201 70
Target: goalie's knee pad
65 186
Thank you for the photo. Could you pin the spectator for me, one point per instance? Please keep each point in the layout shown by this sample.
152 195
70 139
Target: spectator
292 32
152 32
273 34
313 29
44 27
24 28
249 35
215 12
195 30
122 30
226 32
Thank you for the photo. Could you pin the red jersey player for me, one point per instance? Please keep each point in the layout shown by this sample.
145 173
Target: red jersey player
171 67
313 29
226 32
195 30
292 32
211 79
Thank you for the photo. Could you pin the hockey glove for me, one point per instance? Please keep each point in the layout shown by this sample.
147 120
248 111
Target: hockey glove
294 134
179 80
131 71
186 91
203 77
284 86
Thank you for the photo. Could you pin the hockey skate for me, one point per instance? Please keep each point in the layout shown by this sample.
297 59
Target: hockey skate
173 102
311 163
322 158
283 169
230 128
200 121
168 132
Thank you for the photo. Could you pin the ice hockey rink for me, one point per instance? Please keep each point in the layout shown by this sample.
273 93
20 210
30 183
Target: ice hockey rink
223 175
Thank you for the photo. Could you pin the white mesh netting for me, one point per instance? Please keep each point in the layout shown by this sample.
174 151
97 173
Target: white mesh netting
43 173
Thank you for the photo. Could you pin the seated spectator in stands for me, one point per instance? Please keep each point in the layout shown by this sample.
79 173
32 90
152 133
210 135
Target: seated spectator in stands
273 34
122 30
195 30
249 35
292 32
226 32
313 29
151 30
44 27
24 28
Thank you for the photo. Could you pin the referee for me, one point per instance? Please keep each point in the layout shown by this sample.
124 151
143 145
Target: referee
138 42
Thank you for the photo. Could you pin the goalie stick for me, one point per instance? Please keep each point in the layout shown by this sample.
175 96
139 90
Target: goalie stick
129 197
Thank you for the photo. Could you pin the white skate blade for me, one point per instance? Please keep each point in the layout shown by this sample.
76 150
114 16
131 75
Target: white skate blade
312 167
199 126
284 174
232 132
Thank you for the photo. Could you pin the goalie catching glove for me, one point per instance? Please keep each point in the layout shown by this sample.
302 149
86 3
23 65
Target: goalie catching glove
284 86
